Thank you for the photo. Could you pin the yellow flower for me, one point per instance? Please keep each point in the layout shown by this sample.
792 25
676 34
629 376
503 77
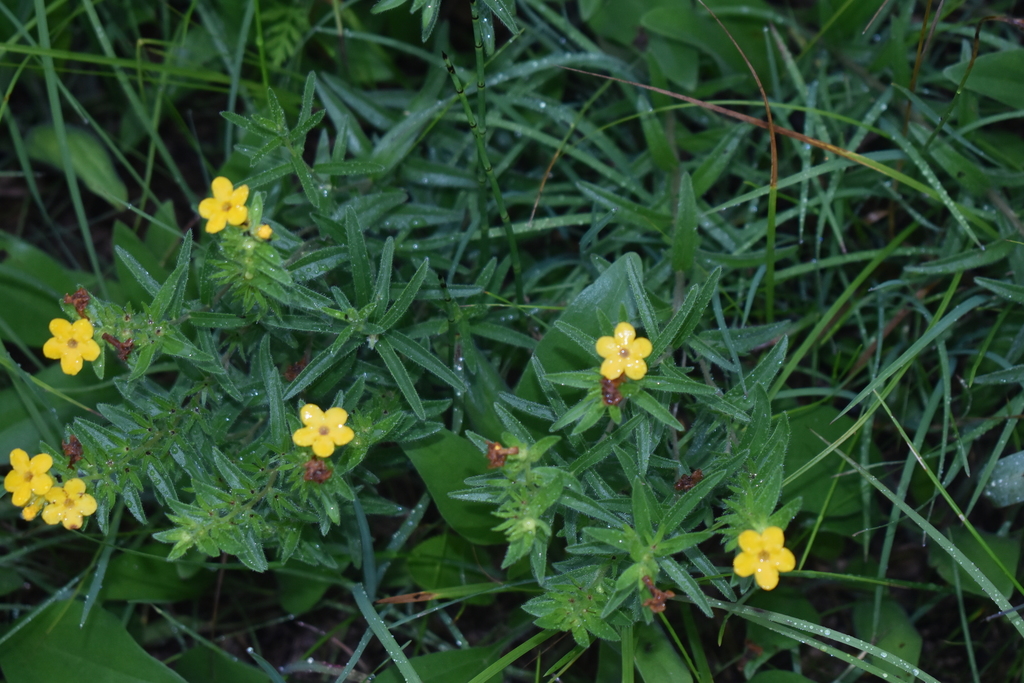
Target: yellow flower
227 205
763 556
625 352
29 477
71 343
68 505
323 431
29 512
264 232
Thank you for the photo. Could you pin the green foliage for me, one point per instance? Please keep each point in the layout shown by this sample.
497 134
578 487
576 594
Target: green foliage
436 251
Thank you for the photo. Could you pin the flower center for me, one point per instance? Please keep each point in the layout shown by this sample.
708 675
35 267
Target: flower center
68 503
324 431
623 353
28 476
72 343
763 556
226 206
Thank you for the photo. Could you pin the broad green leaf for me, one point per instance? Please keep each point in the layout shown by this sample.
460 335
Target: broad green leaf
451 666
1006 481
444 461
145 575
896 634
203 665
90 160
656 658
997 75
447 561
1006 548
52 646
784 599
811 432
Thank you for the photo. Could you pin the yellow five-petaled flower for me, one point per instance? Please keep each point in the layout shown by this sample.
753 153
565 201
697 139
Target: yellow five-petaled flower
227 205
29 478
324 430
67 505
624 353
763 555
71 343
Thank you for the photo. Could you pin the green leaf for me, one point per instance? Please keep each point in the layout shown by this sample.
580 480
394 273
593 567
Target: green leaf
626 211
358 258
812 432
1007 290
272 384
783 600
504 11
167 302
1006 548
557 352
202 665
401 376
451 666
351 167
145 575
89 159
997 75
963 260
444 461
896 634
52 646
652 407
426 360
656 657
447 561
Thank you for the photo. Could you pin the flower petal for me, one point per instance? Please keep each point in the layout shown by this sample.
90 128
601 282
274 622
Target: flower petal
641 346
54 348
60 328
19 459
636 368
612 367
71 363
323 447
311 415
86 504
222 188
40 484
336 417
607 346
51 514
784 560
40 464
82 330
744 564
74 487
90 350
13 481
240 195
304 436
343 436
625 333
217 223
767 577
773 539
237 215
209 207
750 542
